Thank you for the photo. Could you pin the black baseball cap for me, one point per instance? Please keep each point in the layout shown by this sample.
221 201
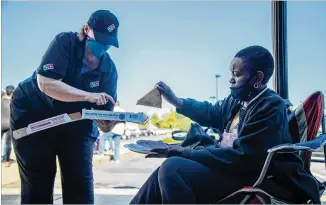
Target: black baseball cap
105 26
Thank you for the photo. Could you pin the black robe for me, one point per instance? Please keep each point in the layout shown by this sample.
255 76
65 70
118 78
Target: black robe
263 125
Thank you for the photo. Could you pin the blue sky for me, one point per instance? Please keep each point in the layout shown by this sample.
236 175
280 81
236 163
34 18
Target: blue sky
181 43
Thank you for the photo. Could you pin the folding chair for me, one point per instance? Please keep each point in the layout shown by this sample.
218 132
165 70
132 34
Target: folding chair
304 123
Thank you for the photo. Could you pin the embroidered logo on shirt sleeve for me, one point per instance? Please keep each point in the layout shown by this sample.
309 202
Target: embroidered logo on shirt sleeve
48 67
95 84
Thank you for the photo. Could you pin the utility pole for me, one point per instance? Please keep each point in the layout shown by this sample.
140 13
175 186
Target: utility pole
217 76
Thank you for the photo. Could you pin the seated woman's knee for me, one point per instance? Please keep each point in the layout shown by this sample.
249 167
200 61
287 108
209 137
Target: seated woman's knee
169 168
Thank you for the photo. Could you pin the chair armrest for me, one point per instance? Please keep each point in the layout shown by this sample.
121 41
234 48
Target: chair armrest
312 145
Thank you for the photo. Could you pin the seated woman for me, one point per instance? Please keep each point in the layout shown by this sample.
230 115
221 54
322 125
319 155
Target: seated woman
252 119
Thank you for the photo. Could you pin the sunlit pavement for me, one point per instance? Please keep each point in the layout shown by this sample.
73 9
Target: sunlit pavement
114 183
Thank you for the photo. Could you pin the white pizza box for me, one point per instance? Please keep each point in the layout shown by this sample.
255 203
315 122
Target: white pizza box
46 124
139 118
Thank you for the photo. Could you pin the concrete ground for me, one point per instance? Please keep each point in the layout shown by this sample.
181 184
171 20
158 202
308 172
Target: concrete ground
114 183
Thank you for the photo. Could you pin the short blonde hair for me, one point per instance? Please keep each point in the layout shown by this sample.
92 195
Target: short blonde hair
81 35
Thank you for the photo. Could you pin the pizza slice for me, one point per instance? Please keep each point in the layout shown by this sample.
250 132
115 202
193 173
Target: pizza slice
151 99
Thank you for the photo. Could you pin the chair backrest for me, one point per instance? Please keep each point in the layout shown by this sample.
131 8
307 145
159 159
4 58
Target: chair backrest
304 122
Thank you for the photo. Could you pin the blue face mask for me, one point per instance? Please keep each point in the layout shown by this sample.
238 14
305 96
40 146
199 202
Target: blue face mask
96 48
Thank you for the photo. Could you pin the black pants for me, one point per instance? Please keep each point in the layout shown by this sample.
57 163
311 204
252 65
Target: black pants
36 157
7 137
183 181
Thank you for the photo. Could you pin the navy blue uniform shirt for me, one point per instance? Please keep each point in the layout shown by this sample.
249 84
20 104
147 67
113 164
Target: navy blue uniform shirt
63 61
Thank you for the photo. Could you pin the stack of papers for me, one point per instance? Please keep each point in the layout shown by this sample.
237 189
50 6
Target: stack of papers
145 146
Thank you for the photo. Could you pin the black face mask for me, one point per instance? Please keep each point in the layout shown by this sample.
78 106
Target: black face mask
243 92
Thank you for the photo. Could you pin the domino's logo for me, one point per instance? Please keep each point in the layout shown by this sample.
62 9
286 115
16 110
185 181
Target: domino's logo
94 84
111 28
48 67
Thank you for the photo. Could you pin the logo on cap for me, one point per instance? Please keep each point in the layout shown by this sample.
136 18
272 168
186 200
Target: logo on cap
111 28
95 84
48 67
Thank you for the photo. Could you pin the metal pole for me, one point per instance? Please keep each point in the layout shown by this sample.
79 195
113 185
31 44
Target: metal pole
217 76
216 89
279 23
323 128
